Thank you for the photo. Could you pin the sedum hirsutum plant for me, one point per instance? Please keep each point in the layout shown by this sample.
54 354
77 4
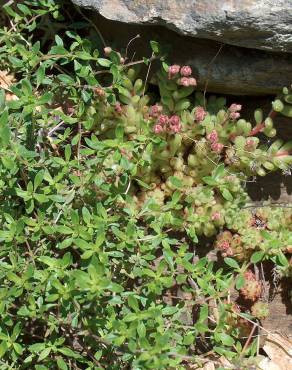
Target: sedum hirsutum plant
114 186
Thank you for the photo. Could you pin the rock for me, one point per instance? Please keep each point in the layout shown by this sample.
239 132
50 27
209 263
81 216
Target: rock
257 24
235 70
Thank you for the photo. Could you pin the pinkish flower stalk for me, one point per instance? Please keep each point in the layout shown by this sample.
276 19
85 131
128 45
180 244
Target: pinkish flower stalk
192 81
158 129
118 108
175 125
216 216
175 129
250 144
186 71
213 136
217 147
184 81
163 120
173 70
174 120
234 115
200 114
155 111
234 107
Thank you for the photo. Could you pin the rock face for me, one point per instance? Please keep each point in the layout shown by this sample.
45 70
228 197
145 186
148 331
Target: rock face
259 24
253 38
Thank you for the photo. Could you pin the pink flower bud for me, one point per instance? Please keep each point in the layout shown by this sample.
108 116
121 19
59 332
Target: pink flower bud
173 70
174 120
175 125
192 81
118 108
70 110
155 110
234 107
216 216
186 71
227 252
176 128
158 129
163 120
213 136
234 115
250 144
107 50
217 147
184 81
224 245
200 114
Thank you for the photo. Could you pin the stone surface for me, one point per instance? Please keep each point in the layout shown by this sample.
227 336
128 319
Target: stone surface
259 24
235 70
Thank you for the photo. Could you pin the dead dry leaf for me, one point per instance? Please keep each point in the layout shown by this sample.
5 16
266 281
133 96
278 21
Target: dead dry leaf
6 80
209 366
279 350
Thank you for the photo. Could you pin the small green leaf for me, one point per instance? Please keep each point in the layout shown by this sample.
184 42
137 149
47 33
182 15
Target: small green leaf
227 195
283 261
155 47
175 181
38 179
232 263
45 353
141 330
239 282
226 339
219 171
3 348
209 180
4 129
62 364
257 256
40 75
67 80
133 303
68 352
24 9
18 348
104 62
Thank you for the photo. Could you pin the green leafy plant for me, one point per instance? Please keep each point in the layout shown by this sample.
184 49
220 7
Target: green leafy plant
106 189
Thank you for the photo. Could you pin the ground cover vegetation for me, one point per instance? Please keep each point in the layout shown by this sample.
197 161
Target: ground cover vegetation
115 185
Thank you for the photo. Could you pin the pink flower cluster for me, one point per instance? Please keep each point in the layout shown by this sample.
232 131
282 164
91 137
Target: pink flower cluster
155 111
200 114
225 247
187 81
234 111
250 144
167 124
118 108
216 216
213 139
185 72
173 70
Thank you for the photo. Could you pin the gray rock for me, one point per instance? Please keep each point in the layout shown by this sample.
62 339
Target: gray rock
234 70
257 24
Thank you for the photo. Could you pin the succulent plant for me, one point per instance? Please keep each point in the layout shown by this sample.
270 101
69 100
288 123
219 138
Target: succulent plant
191 137
260 310
235 321
252 288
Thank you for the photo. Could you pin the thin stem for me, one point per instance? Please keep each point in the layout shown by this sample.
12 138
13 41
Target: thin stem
93 25
258 128
147 74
